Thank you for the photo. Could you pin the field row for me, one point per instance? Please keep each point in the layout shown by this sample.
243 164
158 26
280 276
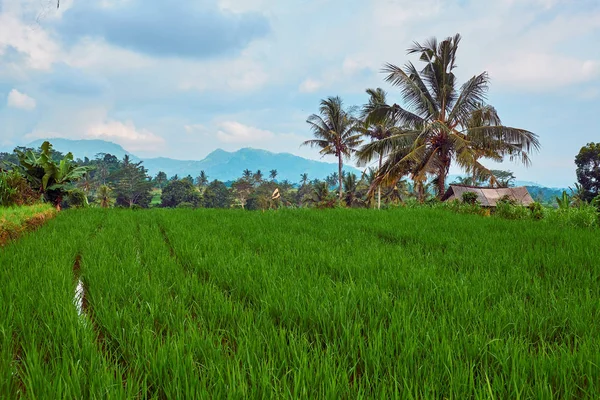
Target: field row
300 303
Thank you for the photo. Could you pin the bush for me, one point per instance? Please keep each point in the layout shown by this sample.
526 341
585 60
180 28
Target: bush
507 210
76 198
585 216
537 210
15 190
185 205
469 198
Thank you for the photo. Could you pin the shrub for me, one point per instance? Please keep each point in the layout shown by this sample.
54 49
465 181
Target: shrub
504 209
469 198
76 198
185 205
14 190
537 210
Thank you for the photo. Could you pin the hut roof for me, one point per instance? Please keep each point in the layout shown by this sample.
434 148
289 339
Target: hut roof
488 197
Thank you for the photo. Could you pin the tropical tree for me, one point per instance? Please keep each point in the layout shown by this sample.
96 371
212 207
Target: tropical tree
588 170
378 126
104 196
202 180
50 178
216 195
133 186
304 179
161 179
438 120
273 174
247 174
258 177
177 192
336 133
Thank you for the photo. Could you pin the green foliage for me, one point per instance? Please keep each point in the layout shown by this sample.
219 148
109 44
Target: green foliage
7 191
588 170
177 192
51 178
104 197
469 197
76 198
216 195
537 210
186 205
564 201
506 210
133 186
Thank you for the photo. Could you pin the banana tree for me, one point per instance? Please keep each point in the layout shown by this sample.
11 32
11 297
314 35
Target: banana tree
52 180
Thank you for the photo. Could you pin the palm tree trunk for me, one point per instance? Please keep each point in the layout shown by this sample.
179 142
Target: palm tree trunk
340 176
379 186
441 185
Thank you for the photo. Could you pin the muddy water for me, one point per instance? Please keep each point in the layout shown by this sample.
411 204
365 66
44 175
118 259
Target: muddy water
78 298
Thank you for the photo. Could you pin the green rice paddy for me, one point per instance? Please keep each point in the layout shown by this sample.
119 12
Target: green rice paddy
409 303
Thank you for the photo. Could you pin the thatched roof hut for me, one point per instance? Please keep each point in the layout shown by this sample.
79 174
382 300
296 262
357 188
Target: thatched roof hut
488 197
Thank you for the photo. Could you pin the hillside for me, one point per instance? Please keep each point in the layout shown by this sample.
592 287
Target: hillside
219 164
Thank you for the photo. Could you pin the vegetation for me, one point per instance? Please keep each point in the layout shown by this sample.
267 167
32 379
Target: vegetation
299 303
14 221
336 133
588 170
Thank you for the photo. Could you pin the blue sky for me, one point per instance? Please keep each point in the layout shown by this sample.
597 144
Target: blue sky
182 79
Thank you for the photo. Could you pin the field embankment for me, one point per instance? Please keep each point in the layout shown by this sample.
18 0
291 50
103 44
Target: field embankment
410 303
14 221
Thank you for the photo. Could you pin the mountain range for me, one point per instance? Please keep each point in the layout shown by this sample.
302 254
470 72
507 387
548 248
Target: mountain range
219 164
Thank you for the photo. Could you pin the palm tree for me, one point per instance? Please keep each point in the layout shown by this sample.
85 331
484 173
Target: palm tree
202 179
336 131
103 196
378 126
438 123
304 178
258 177
247 174
273 174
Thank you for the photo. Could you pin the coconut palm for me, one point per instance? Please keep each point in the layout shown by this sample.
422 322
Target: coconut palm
104 196
273 174
438 120
377 127
304 178
336 133
202 180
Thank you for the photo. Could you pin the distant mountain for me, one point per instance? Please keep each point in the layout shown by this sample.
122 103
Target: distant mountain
219 164
83 148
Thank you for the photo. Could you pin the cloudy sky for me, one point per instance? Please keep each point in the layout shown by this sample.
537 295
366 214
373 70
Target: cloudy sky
182 78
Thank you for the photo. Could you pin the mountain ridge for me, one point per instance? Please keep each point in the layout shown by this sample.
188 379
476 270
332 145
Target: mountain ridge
218 164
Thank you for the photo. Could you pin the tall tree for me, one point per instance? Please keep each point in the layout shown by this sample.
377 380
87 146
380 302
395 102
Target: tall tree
378 126
217 195
336 133
133 186
588 170
160 179
202 180
437 119
273 174
304 178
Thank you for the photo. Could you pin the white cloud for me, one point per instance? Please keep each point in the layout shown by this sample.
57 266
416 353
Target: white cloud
29 40
543 71
127 135
20 100
310 85
235 132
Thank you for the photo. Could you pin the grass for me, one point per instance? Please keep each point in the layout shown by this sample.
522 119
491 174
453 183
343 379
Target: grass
410 303
14 221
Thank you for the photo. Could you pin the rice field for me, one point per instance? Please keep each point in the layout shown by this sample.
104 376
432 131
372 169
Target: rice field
409 304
